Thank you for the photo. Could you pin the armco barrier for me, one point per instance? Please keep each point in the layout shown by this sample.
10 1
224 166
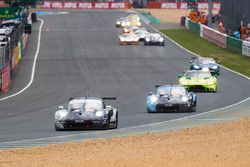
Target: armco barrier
246 48
85 5
234 44
5 78
215 37
194 27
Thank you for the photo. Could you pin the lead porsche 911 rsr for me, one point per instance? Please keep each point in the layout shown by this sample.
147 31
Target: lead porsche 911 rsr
128 39
198 81
171 98
199 63
154 39
86 113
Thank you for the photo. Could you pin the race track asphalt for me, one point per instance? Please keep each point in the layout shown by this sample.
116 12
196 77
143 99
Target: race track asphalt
80 56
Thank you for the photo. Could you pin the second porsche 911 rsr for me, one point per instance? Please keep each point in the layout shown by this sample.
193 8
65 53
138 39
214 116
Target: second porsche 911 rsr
171 98
198 81
154 39
86 113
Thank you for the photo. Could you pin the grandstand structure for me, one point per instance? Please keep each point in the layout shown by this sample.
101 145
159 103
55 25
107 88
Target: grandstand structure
234 13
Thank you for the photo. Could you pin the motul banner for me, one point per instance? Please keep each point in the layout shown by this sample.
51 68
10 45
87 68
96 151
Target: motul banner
5 78
166 5
85 5
180 5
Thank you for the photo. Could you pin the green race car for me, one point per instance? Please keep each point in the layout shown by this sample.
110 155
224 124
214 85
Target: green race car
198 81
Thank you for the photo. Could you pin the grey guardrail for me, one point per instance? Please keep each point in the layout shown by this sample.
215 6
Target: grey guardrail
232 112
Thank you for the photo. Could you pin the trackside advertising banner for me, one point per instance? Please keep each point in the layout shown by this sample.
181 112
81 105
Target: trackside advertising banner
85 5
180 5
215 37
246 48
5 78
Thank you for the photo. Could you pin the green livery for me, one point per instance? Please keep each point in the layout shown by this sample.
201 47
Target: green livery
198 80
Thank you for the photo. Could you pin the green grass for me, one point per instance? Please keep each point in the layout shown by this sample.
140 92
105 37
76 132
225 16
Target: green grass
194 43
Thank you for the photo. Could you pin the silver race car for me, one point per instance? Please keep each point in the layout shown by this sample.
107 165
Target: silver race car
86 113
154 39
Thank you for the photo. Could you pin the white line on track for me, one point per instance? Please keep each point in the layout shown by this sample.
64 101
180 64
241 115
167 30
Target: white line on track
33 67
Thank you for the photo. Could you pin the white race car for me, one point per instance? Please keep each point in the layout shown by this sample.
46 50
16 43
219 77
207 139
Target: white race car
128 39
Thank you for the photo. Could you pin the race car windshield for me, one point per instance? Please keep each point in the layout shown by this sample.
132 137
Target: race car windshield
177 91
75 106
92 104
207 61
198 74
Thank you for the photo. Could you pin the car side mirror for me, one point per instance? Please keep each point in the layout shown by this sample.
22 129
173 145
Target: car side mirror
191 61
150 93
60 107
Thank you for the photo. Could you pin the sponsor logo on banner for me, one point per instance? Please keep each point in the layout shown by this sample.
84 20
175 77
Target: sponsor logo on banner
85 5
183 5
216 6
169 5
71 5
47 4
202 5
101 5
56 5
118 5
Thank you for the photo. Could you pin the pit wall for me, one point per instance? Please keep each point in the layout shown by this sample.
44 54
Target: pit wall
218 38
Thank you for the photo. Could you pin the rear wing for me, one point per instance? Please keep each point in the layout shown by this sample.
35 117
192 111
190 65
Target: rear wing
108 98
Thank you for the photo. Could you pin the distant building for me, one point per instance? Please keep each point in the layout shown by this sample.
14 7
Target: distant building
233 12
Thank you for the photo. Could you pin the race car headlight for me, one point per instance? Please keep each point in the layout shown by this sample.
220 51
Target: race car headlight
128 23
184 98
184 82
123 24
209 82
147 39
138 23
98 114
153 99
63 114
161 39
214 67
121 39
196 67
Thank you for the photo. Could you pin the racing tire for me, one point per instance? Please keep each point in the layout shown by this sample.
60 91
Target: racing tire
116 122
148 110
146 43
214 91
57 128
162 44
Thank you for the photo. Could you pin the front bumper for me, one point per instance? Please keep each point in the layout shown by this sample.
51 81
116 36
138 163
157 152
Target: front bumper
128 42
154 43
173 108
81 124
200 88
